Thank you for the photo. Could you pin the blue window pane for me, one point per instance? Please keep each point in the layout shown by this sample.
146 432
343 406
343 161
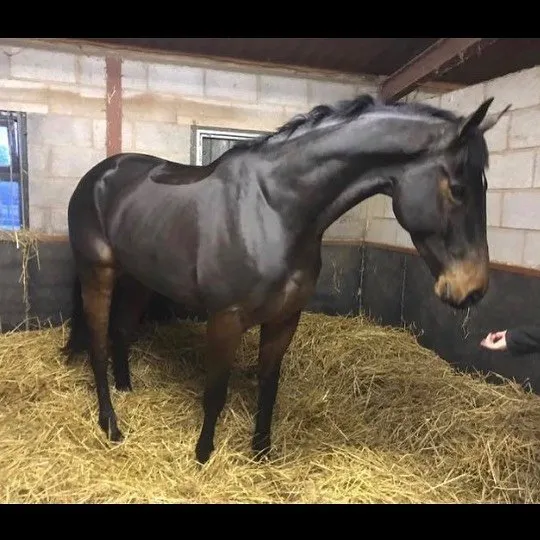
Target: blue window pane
5 157
10 214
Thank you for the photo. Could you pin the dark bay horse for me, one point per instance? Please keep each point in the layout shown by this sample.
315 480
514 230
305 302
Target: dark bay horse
240 239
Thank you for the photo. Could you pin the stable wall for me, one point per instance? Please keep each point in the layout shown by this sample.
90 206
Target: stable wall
63 91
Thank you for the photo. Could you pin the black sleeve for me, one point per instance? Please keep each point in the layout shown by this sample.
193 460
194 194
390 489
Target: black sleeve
523 340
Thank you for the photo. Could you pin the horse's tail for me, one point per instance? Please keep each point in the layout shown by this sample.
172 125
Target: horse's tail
78 340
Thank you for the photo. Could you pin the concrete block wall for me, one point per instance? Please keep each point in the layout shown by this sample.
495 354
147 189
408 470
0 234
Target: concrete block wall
63 92
513 202
63 95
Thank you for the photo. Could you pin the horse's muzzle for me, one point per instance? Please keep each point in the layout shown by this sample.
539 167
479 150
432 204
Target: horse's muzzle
464 284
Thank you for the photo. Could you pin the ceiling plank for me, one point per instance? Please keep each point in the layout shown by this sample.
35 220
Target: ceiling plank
417 70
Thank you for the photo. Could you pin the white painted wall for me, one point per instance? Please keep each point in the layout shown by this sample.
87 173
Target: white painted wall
63 91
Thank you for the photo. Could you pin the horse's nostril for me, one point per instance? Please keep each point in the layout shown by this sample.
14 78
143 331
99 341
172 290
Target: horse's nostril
474 297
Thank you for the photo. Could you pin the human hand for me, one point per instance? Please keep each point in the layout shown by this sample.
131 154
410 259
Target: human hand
495 341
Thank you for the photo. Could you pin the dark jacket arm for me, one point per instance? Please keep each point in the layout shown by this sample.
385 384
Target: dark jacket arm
523 340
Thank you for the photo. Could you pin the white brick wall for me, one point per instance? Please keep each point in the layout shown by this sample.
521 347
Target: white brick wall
64 95
170 141
134 75
327 92
521 209
60 130
283 90
525 128
520 89
4 65
513 202
230 85
176 80
61 149
506 245
511 170
92 71
37 65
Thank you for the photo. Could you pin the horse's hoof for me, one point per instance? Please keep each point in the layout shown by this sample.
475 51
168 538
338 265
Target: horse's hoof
116 436
261 448
202 455
124 386
111 429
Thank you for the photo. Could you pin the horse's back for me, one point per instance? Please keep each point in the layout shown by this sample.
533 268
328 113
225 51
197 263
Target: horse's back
102 195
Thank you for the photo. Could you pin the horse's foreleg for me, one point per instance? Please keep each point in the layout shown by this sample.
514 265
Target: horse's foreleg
275 339
96 287
224 331
130 300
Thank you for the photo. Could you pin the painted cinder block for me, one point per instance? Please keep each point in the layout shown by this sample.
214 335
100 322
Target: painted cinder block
382 230
40 65
73 161
521 209
60 130
520 89
465 100
283 90
175 79
511 170
92 71
494 208
162 138
230 85
321 92
525 128
134 75
505 245
497 136
531 253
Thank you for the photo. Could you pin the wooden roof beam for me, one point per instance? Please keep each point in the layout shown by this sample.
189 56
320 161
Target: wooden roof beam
443 52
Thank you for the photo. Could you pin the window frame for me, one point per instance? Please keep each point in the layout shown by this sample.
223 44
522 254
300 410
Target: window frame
16 125
199 133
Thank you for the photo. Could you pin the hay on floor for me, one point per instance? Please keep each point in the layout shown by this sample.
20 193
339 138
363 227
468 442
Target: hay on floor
364 415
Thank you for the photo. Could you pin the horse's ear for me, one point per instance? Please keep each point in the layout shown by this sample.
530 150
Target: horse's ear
488 123
474 120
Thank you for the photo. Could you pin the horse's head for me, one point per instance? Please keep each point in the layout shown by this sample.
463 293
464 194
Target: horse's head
440 199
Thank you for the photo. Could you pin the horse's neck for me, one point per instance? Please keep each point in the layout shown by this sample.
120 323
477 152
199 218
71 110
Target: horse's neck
353 194
312 184
300 178
315 177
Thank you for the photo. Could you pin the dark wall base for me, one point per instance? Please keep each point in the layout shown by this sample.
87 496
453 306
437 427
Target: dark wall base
391 287
397 289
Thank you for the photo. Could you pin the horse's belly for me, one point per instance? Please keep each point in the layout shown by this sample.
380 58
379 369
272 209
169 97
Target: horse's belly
169 274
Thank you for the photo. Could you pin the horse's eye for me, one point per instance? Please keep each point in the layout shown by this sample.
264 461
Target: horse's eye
458 191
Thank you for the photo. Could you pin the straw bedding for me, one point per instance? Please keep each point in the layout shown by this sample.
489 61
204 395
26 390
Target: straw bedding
364 415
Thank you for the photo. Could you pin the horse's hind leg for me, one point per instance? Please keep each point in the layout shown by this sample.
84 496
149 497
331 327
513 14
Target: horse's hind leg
274 341
97 283
130 299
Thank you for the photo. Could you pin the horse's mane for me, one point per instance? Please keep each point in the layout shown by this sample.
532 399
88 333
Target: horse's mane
341 112
348 110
